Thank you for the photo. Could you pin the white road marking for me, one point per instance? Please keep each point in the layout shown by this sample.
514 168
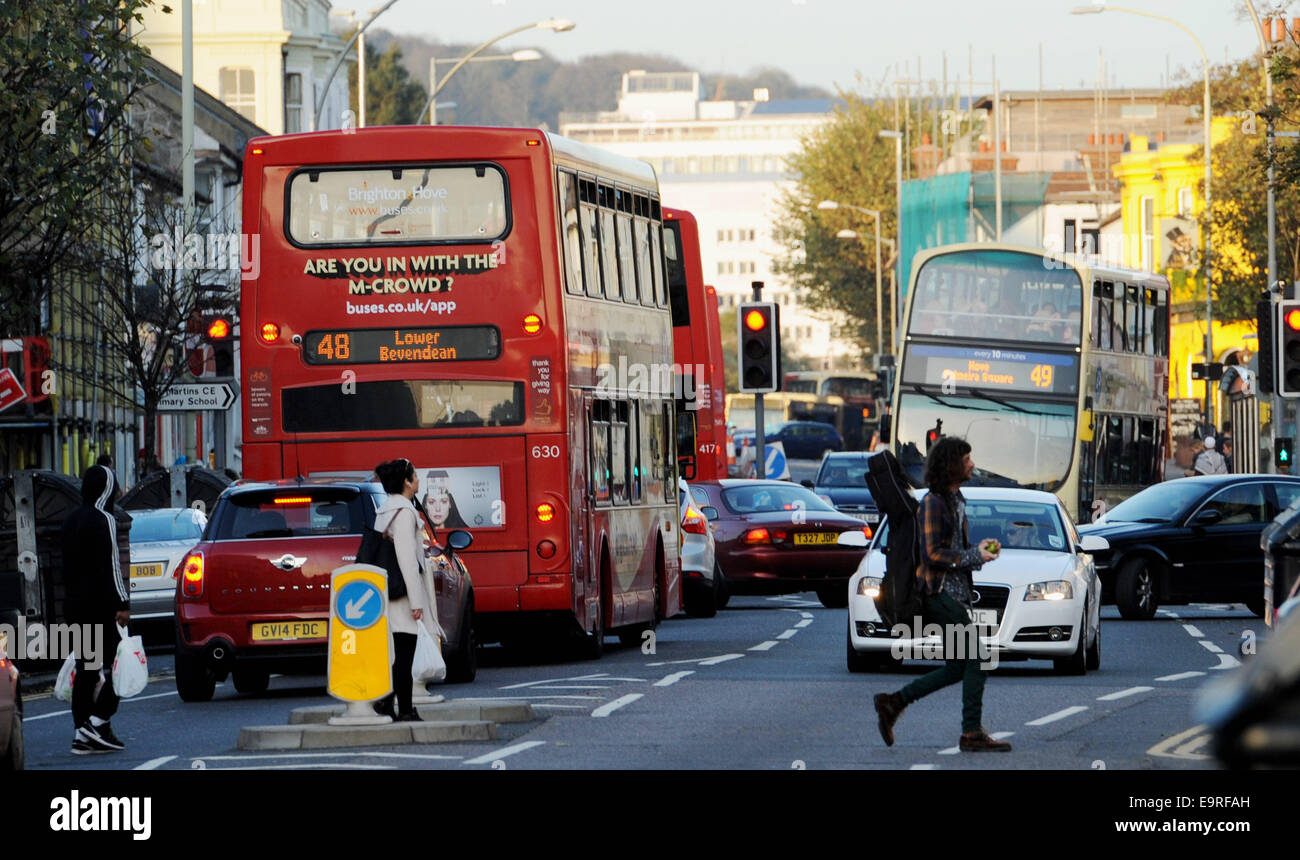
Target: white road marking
1191 628
1131 691
1059 715
207 758
553 705
505 751
124 701
669 680
606 710
331 765
764 646
713 661
155 763
1181 676
1166 613
804 623
1210 646
574 687
924 767
806 614
1226 661
787 634
1168 748
603 677
514 698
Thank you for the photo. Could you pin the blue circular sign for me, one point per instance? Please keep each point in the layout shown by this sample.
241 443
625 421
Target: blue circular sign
775 464
359 604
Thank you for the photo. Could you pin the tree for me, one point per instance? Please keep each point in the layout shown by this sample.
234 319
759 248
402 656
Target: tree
392 96
67 73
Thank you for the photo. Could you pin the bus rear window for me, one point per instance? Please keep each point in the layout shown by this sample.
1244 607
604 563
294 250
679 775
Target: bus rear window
398 404
460 203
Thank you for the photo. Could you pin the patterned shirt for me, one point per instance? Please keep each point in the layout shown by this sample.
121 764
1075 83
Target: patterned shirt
945 547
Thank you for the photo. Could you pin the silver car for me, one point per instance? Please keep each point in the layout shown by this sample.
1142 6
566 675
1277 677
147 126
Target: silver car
702 584
160 538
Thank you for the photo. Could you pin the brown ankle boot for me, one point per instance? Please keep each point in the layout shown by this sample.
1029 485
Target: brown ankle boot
981 741
889 706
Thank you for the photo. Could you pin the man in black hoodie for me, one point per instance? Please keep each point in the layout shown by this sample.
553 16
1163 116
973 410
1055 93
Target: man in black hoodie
96 594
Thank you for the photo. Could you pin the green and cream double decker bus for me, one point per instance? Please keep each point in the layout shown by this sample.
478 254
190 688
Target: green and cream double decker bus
1055 369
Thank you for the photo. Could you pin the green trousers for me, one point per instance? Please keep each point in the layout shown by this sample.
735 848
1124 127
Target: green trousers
943 610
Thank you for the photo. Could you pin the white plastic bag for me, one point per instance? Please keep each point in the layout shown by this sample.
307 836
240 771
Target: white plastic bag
428 664
63 684
130 669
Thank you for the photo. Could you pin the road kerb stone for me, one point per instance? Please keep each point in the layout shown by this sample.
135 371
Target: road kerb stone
497 711
450 732
270 738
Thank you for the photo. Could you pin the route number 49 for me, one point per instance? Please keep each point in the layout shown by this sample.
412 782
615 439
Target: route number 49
546 452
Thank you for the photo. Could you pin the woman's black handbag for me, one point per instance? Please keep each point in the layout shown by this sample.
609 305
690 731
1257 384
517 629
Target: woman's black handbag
378 549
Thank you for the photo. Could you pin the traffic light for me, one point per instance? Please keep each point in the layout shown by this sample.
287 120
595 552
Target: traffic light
760 347
1288 348
932 435
221 337
1267 337
1282 453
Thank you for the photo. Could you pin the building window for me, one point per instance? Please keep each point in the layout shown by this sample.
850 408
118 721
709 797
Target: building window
1071 236
239 92
1148 230
722 235
292 102
1185 202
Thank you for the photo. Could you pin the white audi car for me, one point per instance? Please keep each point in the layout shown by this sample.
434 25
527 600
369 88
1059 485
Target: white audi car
160 538
1040 599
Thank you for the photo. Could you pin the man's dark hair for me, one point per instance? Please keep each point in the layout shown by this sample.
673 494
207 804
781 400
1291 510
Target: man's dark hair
104 460
394 474
943 465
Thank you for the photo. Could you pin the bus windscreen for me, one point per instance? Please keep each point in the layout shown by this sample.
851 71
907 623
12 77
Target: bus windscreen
998 295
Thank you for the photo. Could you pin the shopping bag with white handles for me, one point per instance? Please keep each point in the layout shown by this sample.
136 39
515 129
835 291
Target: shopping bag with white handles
63 683
428 664
130 669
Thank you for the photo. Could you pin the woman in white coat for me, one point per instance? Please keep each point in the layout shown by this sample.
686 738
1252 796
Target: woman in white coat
397 519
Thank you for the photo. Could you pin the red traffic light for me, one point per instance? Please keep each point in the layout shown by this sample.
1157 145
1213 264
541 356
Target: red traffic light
1293 319
219 329
756 320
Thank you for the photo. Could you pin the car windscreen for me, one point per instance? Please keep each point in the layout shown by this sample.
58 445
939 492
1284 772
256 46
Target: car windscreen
293 512
1016 525
771 498
843 472
165 525
1159 503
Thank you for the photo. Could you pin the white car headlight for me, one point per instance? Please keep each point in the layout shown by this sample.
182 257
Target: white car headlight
1057 589
869 586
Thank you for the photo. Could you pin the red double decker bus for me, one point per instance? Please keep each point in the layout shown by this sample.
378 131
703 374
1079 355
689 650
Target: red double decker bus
697 345
491 304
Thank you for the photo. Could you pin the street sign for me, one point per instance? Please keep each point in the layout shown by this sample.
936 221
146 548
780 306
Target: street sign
359 664
193 397
11 390
775 465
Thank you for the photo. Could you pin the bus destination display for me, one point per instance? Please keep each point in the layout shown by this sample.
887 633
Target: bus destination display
397 345
991 369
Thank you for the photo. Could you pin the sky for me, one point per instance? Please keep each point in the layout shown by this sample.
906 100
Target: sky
830 42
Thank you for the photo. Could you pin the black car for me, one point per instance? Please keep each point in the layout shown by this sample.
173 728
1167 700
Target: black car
806 440
1190 539
841 480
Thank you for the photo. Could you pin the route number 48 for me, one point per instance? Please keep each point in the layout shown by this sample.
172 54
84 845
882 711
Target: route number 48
546 452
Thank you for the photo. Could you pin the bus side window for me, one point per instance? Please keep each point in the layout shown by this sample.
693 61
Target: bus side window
1102 312
1149 322
654 432
609 244
590 238
626 255
600 472
1133 318
618 452
634 443
572 233
643 266
1161 328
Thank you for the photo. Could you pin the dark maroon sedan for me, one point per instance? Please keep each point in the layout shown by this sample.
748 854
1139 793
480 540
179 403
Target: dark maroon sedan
774 537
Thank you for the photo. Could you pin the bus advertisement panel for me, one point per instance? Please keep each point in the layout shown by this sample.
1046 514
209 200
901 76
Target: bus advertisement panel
458 297
1055 370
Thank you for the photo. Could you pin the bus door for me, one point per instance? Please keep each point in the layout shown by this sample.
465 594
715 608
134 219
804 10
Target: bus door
595 453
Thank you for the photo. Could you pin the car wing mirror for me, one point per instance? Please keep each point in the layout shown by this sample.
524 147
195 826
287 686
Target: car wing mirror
459 540
807 483
1207 517
710 512
1091 543
854 538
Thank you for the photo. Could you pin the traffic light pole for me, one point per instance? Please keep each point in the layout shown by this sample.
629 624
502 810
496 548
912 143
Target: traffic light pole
760 436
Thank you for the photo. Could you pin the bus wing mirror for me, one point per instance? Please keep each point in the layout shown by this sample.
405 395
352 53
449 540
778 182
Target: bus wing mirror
710 512
459 540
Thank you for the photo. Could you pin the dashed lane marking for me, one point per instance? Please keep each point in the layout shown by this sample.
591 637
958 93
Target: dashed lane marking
1191 628
765 646
924 767
515 698
669 680
1181 676
1226 661
602 677
1123 694
787 634
804 623
713 661
1210 646
155 763
606 710
69 711
505 751
1059 715
563 707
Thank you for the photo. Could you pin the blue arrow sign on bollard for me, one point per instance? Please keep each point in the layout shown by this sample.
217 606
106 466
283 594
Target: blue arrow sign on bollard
359 604
775 466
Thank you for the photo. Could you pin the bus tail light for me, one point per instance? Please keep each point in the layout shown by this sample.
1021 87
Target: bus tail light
532 324
545 512
694 522
546 549
192 575
270 332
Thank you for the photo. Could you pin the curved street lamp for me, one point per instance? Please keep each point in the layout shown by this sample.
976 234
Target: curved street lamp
1205 116
559 25
830 206
522 56
338 61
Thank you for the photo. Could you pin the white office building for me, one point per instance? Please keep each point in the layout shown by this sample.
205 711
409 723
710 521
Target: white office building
725 162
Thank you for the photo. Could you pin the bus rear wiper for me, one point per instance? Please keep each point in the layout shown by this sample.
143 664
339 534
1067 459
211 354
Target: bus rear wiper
975 392
916 386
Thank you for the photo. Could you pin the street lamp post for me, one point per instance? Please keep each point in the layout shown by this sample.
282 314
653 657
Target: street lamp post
897 137
559 25
1205 116
338 61
524 56
830 205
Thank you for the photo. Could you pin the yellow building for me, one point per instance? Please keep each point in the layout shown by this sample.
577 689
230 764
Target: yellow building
1160 204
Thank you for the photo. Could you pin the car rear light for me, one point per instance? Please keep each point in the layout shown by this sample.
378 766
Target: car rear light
694 522
192 575
546 549
758 536
293 500
545 512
